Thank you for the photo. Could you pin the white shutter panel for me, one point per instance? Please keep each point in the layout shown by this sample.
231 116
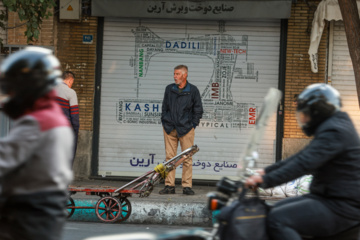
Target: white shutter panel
343 78
233 64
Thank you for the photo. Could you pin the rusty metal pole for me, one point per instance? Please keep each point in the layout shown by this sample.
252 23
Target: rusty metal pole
350 15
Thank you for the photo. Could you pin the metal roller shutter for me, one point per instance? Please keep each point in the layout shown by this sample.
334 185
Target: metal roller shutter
342 75
232 63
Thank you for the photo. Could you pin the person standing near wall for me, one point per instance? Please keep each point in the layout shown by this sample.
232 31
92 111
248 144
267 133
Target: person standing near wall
35 157
68 101
181 113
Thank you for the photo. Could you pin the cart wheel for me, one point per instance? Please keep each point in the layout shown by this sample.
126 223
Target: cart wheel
125 209
108 209
70 207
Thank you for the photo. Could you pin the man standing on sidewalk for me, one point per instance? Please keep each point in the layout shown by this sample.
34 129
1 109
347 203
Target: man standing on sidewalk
68 101
181 113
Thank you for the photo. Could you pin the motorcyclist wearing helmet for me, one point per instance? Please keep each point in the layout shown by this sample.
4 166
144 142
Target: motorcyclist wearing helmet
332 157
35 157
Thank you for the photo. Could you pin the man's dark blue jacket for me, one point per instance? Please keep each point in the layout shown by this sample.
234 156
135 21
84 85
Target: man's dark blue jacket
333 158
181 110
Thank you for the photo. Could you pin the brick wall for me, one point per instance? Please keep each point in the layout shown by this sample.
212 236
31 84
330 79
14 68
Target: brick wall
298 71
79 58
75 56
16 35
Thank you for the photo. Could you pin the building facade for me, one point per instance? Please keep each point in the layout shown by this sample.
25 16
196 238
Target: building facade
123 60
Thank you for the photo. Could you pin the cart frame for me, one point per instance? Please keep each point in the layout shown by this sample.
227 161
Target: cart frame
114 205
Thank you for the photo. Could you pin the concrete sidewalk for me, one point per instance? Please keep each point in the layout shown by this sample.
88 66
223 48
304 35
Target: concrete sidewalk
174 209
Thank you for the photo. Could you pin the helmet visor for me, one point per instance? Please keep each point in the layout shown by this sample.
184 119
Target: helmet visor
4 93
302 119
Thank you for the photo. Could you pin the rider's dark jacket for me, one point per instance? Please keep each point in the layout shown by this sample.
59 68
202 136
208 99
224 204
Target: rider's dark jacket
333 158
181 110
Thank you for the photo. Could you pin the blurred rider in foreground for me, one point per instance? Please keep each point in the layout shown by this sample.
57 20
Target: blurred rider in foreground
332 157
35 157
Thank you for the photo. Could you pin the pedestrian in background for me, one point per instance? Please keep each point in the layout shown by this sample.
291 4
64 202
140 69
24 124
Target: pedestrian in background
35 157
181 113
68 101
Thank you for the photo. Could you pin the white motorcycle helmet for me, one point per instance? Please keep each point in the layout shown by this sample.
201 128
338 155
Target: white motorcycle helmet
26 76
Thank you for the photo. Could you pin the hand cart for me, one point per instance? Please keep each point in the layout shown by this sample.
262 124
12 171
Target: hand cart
114 204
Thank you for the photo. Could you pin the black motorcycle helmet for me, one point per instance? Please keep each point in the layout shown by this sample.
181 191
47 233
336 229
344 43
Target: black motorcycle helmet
315 104
26 76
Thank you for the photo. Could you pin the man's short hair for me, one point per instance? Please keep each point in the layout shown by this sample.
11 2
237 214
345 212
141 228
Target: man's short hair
184 67
67 74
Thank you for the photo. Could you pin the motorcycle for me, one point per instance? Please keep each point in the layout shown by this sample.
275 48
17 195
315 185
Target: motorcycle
229 191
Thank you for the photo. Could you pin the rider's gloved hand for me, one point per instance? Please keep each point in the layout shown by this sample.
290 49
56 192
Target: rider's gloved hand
261 172
253 181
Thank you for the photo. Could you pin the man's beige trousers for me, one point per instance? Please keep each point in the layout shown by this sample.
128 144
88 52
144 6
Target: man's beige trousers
171 144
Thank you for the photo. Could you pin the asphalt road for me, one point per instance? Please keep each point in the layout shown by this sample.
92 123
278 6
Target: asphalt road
82 230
